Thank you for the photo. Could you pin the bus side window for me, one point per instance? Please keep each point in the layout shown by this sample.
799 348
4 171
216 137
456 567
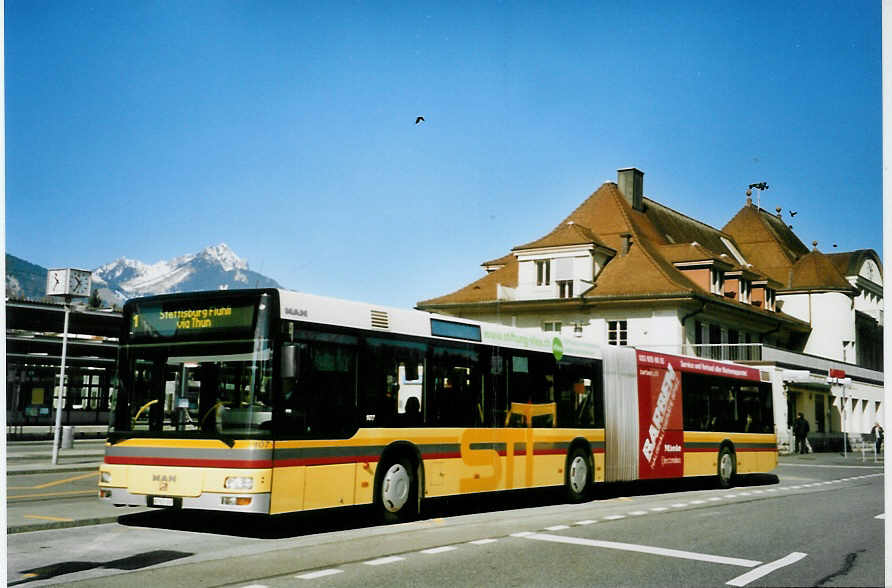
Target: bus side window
456 380
393 374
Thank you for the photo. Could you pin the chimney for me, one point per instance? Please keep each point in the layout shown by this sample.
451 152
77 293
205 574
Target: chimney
627 243
630 182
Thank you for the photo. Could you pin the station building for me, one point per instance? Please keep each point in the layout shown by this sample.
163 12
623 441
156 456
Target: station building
624 269
33 360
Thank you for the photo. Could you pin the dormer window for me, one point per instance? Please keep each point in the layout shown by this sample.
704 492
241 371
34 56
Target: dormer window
744 290
543 272
565 288
717 281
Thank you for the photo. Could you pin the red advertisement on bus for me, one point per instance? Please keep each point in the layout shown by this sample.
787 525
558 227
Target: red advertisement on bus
661 434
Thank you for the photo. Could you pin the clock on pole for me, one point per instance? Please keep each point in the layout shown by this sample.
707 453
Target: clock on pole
68 282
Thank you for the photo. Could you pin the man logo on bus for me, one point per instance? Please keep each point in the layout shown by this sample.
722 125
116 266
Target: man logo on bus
660 418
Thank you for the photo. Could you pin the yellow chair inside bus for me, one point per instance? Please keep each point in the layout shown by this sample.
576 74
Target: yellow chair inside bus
527 412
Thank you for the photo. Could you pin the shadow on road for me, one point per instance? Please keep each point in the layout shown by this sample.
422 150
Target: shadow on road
358 517
133 562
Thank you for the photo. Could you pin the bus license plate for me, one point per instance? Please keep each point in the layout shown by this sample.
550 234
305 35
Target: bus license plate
162 501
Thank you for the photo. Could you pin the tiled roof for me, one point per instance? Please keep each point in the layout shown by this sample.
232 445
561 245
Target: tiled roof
660 237
766 241
482 290
674 227
848 263
651 276
814 270
693 251
569 233
500 261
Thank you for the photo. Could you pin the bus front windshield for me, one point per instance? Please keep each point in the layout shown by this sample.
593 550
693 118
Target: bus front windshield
226 390
196 367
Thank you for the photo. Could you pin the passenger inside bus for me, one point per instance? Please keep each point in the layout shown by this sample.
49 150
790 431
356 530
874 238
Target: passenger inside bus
412 418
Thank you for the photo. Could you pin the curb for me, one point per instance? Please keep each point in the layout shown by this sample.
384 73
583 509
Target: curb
50 525
88 467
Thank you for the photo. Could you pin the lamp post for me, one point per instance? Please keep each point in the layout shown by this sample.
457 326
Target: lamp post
67 283
836 376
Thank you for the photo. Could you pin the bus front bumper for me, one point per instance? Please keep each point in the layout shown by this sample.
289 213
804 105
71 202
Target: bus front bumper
250 503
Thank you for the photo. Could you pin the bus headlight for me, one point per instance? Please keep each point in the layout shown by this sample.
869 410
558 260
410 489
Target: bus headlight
105 477
238 483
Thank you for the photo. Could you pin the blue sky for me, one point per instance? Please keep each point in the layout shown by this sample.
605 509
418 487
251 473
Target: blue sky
286 129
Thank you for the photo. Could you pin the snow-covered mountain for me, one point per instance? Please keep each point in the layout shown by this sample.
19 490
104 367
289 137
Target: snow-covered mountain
214 268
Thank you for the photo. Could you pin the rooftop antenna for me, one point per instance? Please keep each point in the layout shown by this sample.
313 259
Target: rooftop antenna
760 187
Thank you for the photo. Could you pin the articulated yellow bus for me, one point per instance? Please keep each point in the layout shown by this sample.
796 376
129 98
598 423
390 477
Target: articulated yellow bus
270 401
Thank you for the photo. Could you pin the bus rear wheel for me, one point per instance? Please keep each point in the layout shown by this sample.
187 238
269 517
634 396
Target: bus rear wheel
727 468
578 480
396 496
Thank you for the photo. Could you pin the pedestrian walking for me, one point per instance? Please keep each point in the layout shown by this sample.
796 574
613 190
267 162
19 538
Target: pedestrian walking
800 432
877 436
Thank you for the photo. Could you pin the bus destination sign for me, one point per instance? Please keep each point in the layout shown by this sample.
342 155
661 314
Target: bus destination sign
162 321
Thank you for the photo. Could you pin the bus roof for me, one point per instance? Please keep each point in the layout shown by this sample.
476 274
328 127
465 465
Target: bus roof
333 311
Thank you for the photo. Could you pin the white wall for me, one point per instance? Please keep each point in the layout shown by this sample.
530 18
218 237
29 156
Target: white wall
832 318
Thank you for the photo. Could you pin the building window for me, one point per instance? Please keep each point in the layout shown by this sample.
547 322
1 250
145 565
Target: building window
552 326
543 272
769 299
565 288
617 333
718 281
744 290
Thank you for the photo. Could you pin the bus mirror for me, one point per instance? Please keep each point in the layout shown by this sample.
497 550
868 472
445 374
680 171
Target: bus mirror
290 361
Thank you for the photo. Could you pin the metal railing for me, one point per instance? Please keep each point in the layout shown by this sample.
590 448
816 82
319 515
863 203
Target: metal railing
767 353
730 352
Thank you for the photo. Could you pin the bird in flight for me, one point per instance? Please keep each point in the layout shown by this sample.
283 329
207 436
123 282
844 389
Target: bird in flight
793 213
419 119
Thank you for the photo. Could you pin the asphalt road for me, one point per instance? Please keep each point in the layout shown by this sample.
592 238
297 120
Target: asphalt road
811 524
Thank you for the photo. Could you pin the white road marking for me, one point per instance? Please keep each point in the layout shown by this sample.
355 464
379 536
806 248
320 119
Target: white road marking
319 574
638 513
557 528
881 516
732 561
435 550
483 541
522 534
805 465
614 517
714 499
698 502
766 569
680 505
586 522
659 508
383 560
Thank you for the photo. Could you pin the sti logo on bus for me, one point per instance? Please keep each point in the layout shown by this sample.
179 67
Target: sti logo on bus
653 443
297 311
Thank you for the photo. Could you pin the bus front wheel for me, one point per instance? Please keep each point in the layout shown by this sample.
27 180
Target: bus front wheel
397 495
579 475
727 468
